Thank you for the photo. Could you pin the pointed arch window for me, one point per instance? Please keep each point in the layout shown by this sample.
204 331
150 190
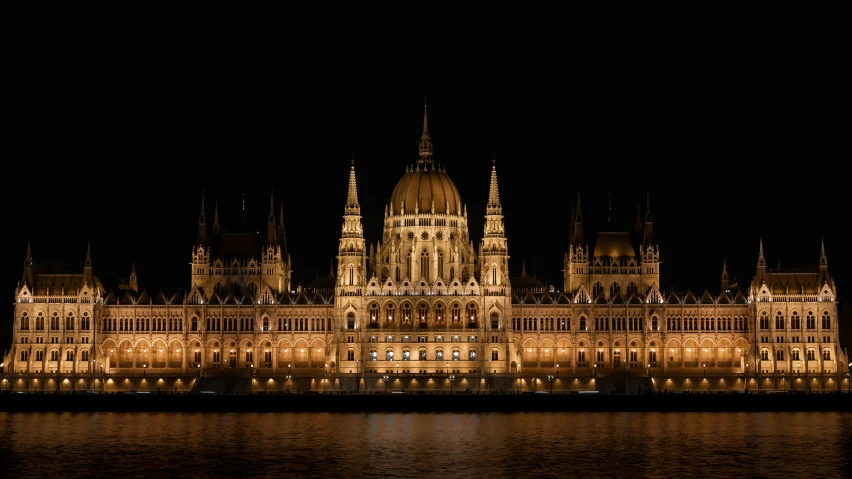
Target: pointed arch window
494 274
390 312
410 266
826 320
439 312
424 265
374 313
456 313
440 264
406 313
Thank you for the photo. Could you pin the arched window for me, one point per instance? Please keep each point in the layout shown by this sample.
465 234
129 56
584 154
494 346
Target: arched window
456 355
390 312
494 274
764 355
406 313
25 354
811 355
456 313
69 355
440 264
811 320
452 272
471 354
194 324
39 355
779 320
25 322
439 355
826 320
84 355
597 289
795 321
39 322
779 355
389 355
631 288
826 355
439 312
424 265
495 320
374 313
422 354
422 313
406 354
350 354
495 354
374 355
397 273
613 289
265 326
54 322
351 274
471 313
410 267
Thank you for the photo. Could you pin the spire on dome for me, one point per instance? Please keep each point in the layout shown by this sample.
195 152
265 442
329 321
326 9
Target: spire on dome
425 140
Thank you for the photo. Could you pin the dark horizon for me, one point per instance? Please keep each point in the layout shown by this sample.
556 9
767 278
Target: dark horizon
735 134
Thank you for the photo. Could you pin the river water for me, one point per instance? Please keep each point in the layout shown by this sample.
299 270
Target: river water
493 445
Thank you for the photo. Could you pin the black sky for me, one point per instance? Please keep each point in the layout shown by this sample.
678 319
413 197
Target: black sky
121 121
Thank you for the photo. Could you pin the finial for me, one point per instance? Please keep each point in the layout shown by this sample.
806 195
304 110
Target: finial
89 254
761 261
724 268
523 268
353 158
823 259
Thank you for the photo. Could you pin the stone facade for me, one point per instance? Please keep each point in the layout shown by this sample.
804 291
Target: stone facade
423 309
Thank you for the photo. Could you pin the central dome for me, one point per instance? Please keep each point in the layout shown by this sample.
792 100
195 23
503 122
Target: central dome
423 185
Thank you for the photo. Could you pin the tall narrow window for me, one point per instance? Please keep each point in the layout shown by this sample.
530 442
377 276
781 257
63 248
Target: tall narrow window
440 264
410 267
494 274
424 265
351 274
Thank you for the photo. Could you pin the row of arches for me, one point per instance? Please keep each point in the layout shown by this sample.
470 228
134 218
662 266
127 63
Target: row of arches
55 322
422 312
794 322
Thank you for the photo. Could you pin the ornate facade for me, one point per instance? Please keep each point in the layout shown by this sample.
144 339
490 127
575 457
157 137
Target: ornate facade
423 308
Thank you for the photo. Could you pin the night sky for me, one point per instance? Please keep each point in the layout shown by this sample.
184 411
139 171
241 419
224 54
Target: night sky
117 128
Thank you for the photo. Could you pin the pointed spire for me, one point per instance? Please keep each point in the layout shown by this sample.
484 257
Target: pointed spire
352 194
725 283
271 218
648 206
578 215
761 261
823 259
271 238
425 139
28 261
523 268
331 267
493 193
88 262
216 217
577 238
201 217
282 239
134 284
648 235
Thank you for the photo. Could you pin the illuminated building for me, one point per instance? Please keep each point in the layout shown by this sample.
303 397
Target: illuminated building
423 305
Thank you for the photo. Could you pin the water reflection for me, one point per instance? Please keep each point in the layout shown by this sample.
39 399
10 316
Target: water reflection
427 445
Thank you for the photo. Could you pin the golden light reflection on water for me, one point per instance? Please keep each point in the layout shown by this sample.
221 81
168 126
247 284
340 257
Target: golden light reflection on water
426 445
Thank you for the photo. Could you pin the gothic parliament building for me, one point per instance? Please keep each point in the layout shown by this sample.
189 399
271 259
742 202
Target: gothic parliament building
426 309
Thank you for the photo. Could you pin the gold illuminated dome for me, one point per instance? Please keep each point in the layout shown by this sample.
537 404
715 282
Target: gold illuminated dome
420 187
424 186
